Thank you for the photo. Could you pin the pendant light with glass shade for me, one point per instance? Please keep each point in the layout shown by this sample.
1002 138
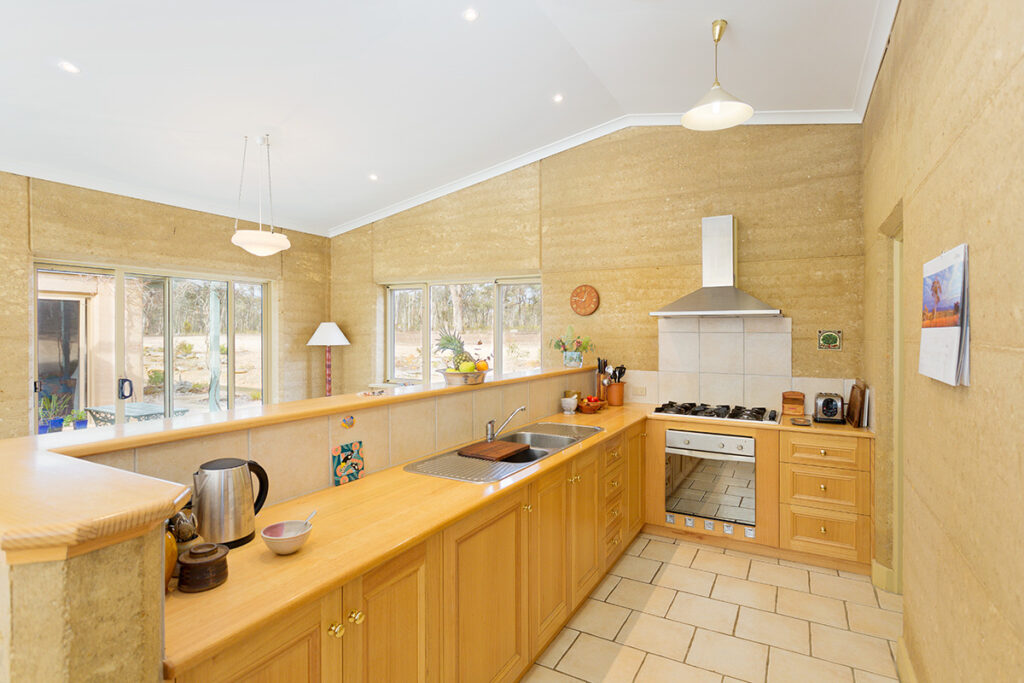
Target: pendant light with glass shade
718 109
259 242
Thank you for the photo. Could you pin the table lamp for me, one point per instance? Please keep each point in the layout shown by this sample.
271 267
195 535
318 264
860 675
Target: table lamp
328 335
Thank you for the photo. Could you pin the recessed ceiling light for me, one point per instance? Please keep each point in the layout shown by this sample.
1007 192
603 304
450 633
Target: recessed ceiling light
470 14
557 98
372 176
65 65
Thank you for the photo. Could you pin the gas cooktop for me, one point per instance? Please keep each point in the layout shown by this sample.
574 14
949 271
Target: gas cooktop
718 412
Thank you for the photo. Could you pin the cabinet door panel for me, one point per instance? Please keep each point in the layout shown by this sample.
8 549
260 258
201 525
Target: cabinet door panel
586 530
635 482
549 557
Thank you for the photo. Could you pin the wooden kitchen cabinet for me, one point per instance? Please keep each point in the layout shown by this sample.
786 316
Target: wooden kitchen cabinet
549 595
586 524
635 447
392 619
485 589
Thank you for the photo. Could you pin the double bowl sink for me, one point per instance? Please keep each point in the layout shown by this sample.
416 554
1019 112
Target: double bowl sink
542 439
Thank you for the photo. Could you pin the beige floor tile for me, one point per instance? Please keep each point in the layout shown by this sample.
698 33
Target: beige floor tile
774 629
811 607
657 669
751 556
727 655
720 563
789 667
852 649
669 552
636 568
867 677
874 621
892 649
593 659
558 647
685 579
700 546
656 537
599 619
540 674
843 589
654 634
809 567
890 601
854 576
704 612
741 592
606 586
776 575
636 547
642 597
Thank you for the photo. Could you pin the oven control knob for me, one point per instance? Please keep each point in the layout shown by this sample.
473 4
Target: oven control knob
739 447
721 445
686 442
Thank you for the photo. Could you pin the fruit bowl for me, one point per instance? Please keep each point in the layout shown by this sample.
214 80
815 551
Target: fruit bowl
590 408
454 378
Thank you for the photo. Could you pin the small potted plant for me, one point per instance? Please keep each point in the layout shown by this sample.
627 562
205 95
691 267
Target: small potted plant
77 418
52 409
572 347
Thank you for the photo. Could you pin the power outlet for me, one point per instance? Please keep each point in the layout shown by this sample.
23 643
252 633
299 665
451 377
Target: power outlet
748 532
727 528
639 391
689 521
709 525
670 518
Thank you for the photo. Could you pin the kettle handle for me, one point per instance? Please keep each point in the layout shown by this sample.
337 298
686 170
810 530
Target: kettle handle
261 477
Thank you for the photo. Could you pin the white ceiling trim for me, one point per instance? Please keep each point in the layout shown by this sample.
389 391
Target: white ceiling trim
881 28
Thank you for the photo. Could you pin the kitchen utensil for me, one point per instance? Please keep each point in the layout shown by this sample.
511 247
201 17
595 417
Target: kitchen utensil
223 501
493 450
568 405
203 567
828 407
309 520
616 392
792 403
284 538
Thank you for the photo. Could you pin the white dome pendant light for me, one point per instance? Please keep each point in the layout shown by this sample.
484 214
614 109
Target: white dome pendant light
718 109
259 242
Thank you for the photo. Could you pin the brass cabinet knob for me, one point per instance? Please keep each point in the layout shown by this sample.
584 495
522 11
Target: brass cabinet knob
615 512
823 530
822 487
823 452
575 478
615 483
615 455
527 508
356 617
336 630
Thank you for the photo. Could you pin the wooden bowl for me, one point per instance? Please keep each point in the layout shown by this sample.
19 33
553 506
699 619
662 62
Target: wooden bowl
457 379
591 408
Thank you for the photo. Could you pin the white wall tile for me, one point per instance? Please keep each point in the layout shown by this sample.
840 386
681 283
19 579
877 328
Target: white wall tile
768 324
813 385
679 351
721 324
678 386
767 353
721 352
847 387
763 390
486 406
641 386
678 325
721 388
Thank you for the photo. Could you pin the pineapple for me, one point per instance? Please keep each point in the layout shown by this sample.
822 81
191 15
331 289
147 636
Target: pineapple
450 341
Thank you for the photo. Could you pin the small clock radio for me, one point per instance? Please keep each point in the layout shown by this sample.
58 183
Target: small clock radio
829 408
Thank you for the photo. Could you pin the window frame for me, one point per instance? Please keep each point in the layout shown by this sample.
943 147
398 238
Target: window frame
427 316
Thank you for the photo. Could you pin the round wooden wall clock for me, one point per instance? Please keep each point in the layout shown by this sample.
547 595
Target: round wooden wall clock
584 300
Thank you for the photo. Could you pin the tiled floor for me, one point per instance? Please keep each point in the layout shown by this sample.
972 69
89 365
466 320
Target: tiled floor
678 611
716 490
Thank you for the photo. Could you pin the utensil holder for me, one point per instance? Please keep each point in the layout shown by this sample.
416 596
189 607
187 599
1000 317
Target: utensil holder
616 391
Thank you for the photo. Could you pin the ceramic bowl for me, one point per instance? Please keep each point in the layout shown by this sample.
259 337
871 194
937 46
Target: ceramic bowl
568 405
284 538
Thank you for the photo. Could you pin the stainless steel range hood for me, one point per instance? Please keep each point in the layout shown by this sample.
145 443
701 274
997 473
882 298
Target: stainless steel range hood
719 295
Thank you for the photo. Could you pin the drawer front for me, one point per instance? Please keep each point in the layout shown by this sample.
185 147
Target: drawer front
613 544
825 532
614 452
848 452
614 512
826 487
614 482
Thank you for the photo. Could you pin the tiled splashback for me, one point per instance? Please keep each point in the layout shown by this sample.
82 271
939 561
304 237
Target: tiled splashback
746 361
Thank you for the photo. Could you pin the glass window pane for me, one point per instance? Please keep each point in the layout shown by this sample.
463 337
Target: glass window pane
520 322
248 344
462 315
406 311
199 318
74 348
144 346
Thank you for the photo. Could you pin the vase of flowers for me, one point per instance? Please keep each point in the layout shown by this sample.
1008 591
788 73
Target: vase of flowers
572 347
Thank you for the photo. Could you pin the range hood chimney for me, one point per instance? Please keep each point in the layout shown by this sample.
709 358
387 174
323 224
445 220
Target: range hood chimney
718 295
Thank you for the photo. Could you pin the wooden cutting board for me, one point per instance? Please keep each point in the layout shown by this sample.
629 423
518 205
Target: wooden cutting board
854 411
495 450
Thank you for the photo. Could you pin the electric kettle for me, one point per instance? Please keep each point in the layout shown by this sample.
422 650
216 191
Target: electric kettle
223 503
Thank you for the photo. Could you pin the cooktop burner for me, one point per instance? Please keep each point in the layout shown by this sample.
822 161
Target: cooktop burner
721 411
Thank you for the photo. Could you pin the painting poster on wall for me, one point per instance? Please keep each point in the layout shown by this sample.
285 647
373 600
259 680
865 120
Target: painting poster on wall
945 319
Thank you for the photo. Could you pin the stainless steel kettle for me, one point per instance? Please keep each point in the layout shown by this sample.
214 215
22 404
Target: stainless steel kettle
223 502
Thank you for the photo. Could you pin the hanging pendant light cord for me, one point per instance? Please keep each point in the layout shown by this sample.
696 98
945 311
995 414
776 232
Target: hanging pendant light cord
241 180
716 65
270 191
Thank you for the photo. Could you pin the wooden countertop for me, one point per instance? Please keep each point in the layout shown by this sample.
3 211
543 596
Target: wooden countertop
785 425
358 526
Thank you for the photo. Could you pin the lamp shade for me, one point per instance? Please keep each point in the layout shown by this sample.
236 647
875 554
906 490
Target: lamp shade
717 110
328 334
260 242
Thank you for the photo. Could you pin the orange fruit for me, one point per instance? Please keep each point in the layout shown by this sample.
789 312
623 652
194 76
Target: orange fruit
481 365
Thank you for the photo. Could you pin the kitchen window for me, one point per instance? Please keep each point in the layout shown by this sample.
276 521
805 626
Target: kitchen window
120 346
497 320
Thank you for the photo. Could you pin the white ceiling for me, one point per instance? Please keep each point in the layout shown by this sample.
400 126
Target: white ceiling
405 89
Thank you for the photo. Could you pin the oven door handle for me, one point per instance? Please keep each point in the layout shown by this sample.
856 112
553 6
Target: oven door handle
708 455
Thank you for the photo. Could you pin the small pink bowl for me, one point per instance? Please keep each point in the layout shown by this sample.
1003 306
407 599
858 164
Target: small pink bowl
284 538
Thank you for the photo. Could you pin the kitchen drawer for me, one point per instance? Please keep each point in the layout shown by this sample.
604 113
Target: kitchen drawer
828 533
614 452
614 482
825 487
613 544
613 513
848 452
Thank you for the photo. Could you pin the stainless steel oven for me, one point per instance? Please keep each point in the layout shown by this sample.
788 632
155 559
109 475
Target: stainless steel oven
710 475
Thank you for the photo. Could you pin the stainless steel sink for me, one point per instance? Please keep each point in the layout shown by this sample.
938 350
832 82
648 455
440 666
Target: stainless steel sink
543 439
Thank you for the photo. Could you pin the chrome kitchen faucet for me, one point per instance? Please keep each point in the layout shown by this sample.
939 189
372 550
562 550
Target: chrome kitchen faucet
491 432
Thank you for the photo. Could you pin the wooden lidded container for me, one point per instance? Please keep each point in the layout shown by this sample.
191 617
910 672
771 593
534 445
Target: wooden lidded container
203 566
792 403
